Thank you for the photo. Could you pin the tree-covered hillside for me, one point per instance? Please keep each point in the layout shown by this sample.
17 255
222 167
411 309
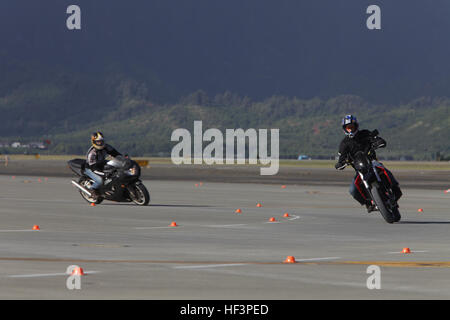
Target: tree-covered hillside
123 109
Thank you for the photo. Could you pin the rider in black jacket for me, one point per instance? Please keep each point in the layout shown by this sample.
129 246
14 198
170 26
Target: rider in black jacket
96 160
359 140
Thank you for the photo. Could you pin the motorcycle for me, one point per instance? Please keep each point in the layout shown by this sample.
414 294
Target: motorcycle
121 181
377 184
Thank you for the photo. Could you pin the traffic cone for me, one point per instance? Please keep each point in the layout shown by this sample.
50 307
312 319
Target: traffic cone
78 271
238 211
290 259
196 185
283 187
286 215
173 224
92 204
259 205
406 250
36 228
272 219
420 210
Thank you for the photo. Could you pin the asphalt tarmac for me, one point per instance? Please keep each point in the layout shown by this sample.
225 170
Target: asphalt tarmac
131 252
289 175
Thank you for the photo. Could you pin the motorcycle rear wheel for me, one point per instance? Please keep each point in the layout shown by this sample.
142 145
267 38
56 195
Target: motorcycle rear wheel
86 183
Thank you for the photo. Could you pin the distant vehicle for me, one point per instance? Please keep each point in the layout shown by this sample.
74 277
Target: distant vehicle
304 157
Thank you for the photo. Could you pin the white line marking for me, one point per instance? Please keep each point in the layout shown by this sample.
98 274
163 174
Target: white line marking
244 264
38 200
168 227
211 266
225 225
24 230
293 217
37 275
318 259
412 251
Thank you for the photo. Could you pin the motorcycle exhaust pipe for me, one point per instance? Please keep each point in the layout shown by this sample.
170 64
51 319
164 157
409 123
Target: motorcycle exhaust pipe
81 188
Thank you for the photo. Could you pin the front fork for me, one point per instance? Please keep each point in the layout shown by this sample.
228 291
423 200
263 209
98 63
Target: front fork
366 185
375 184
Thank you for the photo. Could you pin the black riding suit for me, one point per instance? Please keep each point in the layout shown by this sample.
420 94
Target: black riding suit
361 142
96 160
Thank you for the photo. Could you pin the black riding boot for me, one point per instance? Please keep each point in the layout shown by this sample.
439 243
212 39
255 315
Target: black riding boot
95 194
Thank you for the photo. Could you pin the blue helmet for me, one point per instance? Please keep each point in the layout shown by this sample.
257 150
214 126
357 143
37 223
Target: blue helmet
348 120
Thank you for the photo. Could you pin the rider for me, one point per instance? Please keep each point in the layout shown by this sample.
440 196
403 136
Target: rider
359 140
96 160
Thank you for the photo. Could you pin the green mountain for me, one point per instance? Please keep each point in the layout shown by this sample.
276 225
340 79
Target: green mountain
65 110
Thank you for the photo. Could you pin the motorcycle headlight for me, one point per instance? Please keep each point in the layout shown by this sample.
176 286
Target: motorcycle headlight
359 165
132 171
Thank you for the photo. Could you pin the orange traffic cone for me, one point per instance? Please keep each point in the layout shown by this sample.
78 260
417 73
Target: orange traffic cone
272 219
406 250
238 211
259 205
286 215
283 187
289 259
420 210
36 228
173 224
92 204
78 271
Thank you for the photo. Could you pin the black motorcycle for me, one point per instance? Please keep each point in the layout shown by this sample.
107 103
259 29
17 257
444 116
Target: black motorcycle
121 181
377 184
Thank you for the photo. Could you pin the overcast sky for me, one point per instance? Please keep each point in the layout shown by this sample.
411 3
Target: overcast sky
252 47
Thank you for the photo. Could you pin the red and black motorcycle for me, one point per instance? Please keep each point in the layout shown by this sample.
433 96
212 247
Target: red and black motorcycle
377 184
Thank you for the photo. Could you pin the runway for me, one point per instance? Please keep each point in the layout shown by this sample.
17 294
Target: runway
131 252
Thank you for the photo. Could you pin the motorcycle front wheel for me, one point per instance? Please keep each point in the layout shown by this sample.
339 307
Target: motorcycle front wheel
379 201
139 194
